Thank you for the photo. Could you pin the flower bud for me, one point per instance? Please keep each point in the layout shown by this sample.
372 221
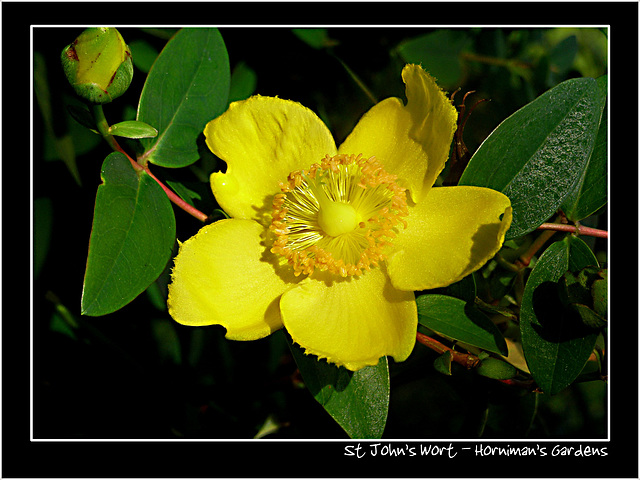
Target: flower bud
98 64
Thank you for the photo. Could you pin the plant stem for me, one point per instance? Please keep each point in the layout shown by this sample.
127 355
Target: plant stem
464 359
103 128
177 200
356 79
577 229
538 243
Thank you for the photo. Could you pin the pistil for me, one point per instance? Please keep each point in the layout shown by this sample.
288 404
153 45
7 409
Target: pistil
337 216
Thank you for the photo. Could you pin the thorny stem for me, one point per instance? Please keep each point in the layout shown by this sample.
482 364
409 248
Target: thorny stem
103 128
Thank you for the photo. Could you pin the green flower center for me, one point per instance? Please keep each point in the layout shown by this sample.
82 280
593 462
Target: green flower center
337 216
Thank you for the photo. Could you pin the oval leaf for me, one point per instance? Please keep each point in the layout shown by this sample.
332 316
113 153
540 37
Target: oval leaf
133 129
460 320
537 156
555 341
591 192
131 239
357 401
187 86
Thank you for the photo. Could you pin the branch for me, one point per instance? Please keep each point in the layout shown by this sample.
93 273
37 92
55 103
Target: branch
193 211
464 359
103 128
577 229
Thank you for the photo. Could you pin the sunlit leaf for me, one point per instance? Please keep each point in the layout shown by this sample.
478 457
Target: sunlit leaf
537 156
131 239
187 86
591 192
133 129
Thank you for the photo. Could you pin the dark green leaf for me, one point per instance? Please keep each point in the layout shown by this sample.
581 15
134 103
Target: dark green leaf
600 294
460 320
563 54
83 116
357 401
590 194
537 156
496 369
187 87
556 342
133 129
42 225
317 38
142 54
167 341
243 82
442 363
439 53
589 317
131 239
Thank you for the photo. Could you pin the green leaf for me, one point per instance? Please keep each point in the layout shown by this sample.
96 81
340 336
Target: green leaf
600 294
187 87
590 194
496 369
133 129
143 54
537 156
439 53
460 320
556 342
442 363
357 401
317 38
243 82
131 239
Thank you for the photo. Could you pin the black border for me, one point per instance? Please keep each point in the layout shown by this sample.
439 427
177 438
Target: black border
22 458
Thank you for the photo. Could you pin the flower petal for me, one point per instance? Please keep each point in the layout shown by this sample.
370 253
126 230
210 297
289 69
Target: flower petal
224 275
263 139
450 234
411 141
351 322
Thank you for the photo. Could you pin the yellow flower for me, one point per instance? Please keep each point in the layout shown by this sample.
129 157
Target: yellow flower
332 242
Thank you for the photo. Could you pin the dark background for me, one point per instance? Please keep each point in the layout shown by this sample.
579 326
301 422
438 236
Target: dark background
112 378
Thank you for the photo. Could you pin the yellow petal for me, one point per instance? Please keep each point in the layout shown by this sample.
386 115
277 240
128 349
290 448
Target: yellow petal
351 322
450 234
411 141
225 275
263 139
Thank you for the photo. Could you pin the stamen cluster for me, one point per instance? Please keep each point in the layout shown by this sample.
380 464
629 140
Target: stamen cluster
380 204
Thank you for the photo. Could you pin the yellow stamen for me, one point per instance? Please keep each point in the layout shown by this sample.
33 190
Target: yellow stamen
337 216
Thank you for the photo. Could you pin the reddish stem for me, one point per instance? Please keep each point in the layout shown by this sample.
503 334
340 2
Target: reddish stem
578 229
466 360
176 199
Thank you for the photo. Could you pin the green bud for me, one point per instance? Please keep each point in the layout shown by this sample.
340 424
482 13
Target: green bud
98 65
